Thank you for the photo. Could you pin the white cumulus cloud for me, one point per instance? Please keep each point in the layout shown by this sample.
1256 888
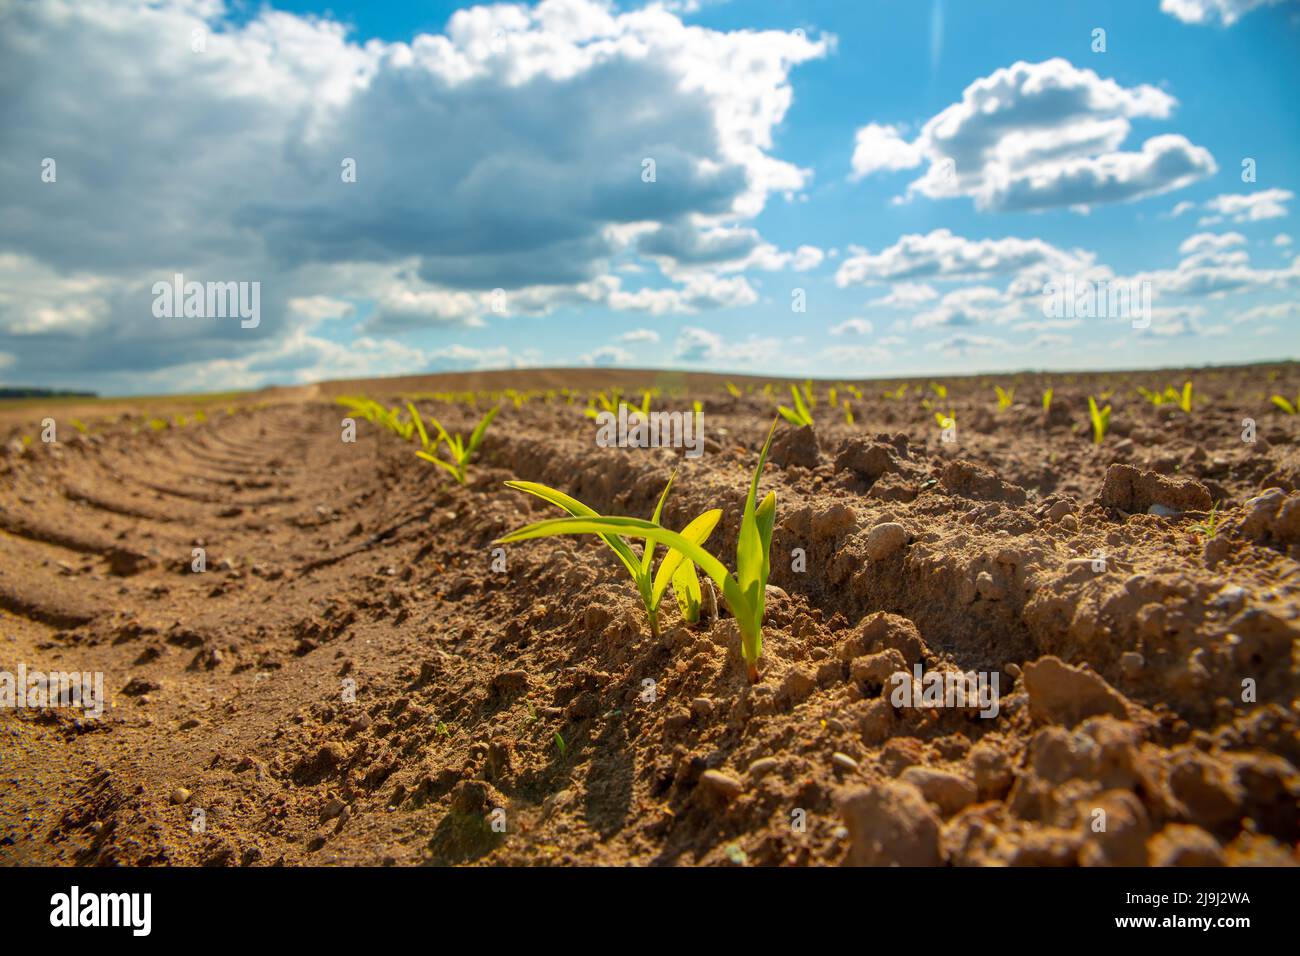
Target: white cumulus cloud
1037 136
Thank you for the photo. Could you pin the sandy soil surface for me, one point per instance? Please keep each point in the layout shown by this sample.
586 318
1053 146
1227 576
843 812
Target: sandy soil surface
354 679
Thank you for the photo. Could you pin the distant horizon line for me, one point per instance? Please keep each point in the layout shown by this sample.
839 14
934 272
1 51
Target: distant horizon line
611 371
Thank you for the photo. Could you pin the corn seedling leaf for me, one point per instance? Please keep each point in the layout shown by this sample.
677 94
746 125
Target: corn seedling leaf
1285 405
419 425
1100 420
697 532
576 508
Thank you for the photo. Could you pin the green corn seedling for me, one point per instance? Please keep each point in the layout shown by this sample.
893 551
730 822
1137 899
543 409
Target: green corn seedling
799 415
733 391
1005 397
1047 401
460 450
607 402
1155 398
1289 408
745 591
1100 420
651 586
848 412
372 411
418 423
1212 523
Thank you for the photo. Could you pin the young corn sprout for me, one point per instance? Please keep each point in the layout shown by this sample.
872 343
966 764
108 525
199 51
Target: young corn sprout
372 411
1289 408
799 415
745 591
460 451
607 402
946 421
1100 420
897 393
672 570
1170 396
848 412
1047 401
1005 397
1212 523
733 391
1155 398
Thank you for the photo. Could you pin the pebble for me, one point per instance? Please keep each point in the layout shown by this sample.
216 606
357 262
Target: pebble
1059 510
884 539
718 782
775 593
844 762
180 795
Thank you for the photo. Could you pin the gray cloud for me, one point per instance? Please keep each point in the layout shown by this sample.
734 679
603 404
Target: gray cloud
505 153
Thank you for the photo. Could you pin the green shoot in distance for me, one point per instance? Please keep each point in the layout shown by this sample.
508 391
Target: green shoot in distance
1289 408
1212 523
460 450
799 415
1100 420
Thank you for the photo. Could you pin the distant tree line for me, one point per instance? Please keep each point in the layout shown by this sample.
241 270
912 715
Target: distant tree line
6 392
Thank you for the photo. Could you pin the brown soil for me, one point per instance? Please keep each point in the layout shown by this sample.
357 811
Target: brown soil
333 565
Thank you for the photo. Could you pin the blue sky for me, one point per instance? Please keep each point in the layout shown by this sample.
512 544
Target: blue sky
916 172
